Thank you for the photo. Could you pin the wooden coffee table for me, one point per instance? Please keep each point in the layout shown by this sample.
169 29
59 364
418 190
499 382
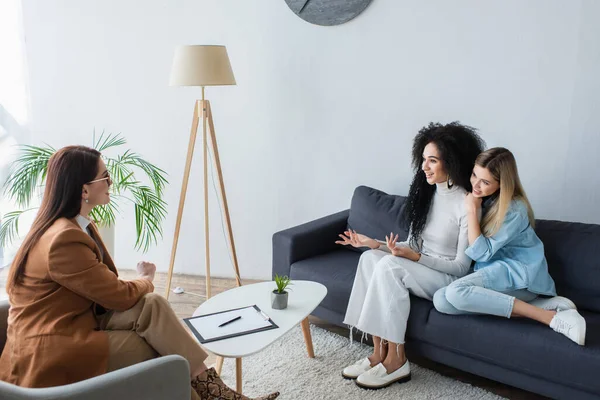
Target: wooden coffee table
304 297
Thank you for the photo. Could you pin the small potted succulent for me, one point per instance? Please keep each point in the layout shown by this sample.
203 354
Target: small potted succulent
279 296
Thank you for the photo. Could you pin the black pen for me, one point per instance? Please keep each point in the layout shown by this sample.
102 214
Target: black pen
228 322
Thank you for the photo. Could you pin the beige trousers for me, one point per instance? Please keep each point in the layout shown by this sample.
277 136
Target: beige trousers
148 330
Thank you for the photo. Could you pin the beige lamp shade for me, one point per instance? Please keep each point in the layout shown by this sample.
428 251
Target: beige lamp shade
201 65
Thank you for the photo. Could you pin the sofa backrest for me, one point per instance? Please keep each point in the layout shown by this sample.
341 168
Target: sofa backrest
573 253
375 213
572 249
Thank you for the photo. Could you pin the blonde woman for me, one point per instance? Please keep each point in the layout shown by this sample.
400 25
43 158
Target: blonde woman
510 269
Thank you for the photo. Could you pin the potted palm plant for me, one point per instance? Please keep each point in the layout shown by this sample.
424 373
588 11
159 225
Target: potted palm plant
279 296
28 173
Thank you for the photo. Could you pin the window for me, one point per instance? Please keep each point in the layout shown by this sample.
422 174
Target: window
14 102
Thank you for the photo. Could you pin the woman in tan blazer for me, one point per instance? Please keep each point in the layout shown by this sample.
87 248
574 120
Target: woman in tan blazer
71 317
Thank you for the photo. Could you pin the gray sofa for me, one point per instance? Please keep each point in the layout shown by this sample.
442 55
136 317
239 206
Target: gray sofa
517 352
159 379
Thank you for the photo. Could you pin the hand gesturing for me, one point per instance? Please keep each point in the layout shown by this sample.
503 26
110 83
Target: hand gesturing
401 251
350 237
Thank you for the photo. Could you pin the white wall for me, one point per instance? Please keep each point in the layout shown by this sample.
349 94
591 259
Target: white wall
320 110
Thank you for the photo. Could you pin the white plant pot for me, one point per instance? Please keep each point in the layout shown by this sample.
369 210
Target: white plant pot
108 237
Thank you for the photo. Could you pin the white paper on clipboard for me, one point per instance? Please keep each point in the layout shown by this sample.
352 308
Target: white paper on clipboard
208 326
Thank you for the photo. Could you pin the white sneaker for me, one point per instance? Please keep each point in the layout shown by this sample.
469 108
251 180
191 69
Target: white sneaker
570 324
378 378
359 367
556 303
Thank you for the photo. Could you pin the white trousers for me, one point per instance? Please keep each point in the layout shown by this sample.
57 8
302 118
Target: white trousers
379 303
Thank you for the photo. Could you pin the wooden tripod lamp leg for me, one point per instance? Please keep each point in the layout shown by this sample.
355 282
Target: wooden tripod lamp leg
217 162
184 185
206 230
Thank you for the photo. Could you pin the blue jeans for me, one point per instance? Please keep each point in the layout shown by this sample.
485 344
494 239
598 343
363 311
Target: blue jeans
468 295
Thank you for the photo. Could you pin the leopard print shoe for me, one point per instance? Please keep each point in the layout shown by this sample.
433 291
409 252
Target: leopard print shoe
210 386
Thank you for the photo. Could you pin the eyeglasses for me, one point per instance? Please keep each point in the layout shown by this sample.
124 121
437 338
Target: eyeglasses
107 179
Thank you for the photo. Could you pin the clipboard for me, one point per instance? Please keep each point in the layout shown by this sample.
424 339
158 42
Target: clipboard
206 327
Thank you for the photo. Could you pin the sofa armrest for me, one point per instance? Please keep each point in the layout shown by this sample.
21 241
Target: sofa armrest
161 378
4 306
307 240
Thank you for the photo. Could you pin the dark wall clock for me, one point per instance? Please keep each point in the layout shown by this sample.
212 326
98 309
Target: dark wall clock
327 12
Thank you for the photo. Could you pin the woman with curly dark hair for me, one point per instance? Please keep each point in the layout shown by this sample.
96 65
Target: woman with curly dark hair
433 256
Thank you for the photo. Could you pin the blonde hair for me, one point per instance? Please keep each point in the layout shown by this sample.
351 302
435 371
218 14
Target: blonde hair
501 163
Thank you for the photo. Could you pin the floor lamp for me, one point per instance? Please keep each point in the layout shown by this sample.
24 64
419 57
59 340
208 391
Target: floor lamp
202 66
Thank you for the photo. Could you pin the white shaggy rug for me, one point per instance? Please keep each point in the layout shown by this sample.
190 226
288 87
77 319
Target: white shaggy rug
285 367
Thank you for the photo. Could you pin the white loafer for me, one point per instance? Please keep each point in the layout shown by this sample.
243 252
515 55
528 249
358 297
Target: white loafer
378 378
354 370
556 303
571 324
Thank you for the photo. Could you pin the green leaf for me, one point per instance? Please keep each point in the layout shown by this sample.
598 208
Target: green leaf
108 141
150 212
282 283
119 174
105 215
156 175
9 229
26 173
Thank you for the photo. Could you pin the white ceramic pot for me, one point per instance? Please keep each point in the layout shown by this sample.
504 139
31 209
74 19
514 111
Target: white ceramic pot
108 237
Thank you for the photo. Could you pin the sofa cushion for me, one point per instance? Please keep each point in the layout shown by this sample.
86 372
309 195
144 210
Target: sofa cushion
419 315
572 251
335 270
376 213
521 345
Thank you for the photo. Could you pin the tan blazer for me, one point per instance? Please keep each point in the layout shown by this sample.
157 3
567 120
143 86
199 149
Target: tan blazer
53 334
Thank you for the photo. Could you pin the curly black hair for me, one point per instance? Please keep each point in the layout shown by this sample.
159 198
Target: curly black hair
459 145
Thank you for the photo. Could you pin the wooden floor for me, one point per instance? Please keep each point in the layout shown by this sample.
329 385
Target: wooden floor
185 304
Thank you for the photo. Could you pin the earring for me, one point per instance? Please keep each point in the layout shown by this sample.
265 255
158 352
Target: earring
449 182
87 201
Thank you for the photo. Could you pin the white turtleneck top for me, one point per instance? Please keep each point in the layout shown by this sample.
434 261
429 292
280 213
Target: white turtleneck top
445 237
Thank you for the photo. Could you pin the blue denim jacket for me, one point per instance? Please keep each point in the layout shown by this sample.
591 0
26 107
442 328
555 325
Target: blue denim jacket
517 253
